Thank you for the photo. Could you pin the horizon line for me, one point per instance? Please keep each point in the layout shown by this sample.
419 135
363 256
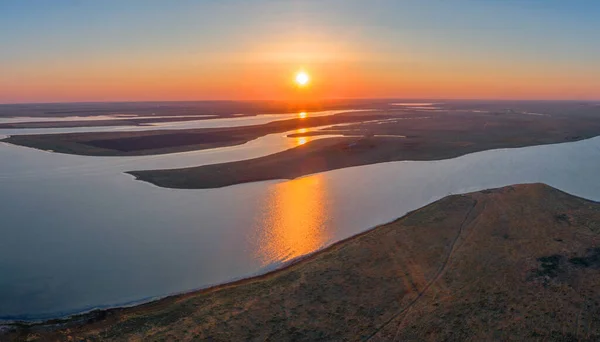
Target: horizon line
307 102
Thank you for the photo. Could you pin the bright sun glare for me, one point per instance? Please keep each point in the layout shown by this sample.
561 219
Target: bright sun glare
302 78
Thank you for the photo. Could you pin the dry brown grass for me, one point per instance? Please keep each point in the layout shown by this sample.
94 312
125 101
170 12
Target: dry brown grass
493 265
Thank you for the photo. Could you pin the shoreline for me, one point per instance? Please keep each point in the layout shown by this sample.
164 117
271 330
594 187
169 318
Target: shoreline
86 314
303 160
136 303
397 138
465 208
165 141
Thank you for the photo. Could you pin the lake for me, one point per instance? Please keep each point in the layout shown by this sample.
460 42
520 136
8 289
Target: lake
78 233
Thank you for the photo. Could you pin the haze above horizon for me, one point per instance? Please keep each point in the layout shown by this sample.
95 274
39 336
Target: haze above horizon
71 51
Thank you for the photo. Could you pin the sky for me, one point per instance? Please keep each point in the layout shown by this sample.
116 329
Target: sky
145 50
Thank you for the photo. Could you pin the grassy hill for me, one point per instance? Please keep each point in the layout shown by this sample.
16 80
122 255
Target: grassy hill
515 263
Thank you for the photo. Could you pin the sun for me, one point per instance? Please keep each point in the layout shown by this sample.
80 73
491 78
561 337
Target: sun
302 78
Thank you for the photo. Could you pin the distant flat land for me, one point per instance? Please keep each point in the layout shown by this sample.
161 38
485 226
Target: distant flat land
200 110
516 263
131 143
421 135
173 108
394 131
98 123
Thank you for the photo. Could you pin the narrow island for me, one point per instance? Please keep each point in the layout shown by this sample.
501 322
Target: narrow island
129 121
433 136
152 142
520 262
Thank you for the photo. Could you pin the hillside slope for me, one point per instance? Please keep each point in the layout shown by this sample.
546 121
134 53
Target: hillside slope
516 263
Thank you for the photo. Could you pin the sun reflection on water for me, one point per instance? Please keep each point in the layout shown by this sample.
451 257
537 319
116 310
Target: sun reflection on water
297 141
294 222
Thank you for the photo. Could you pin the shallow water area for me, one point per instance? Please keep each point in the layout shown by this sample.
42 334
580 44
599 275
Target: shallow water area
174 125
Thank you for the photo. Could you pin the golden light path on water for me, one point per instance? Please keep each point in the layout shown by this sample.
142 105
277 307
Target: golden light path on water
294 223
297 141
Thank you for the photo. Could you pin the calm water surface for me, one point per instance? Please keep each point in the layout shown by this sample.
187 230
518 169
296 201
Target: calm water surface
191 124
78 233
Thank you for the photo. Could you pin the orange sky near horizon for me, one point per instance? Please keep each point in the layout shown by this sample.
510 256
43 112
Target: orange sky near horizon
268 71
255 79
368 52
